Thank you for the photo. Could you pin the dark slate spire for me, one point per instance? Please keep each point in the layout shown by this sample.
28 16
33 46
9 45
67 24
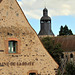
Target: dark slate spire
45 24
45 15
45 12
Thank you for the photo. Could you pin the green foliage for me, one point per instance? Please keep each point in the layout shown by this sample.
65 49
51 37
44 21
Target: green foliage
65 31
59 72
54 49
70 68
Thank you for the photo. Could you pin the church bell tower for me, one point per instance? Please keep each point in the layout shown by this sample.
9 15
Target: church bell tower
45 24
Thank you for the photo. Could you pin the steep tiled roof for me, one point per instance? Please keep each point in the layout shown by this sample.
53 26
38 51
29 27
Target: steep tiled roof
67 42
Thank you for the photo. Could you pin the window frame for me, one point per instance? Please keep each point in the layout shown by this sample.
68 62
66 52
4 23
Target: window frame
18 51
33 71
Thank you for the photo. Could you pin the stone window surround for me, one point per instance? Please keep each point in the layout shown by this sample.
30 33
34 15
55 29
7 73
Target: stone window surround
33 71
18 51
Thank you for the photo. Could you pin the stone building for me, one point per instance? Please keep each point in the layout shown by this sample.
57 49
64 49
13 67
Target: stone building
45 25
67 42
21 52
68 47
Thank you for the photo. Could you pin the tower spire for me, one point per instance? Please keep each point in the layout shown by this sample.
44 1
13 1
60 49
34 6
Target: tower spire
45 24
45 12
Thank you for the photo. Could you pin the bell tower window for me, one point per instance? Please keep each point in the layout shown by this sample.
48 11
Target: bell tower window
48 21
12 46
42 22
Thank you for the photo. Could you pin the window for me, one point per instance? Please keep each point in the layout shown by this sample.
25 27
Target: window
42 22
48 21
71 55
66 58
32 73
12 46
62 56
63 66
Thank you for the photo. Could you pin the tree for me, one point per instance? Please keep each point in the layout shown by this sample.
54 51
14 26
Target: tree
59 72
70 68
53 49
61 32
70 32
65 31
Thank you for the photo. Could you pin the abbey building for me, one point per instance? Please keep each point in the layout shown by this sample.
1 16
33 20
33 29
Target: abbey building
21 52
67 42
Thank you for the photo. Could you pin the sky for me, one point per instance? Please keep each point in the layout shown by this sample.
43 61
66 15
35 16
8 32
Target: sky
62 12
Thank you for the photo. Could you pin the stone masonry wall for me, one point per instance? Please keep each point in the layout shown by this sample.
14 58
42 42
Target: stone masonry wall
33 56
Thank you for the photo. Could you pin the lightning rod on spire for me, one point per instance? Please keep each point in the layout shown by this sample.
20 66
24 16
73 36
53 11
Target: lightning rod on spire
45 3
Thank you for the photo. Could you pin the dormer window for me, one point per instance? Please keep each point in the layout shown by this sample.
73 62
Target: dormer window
12 46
